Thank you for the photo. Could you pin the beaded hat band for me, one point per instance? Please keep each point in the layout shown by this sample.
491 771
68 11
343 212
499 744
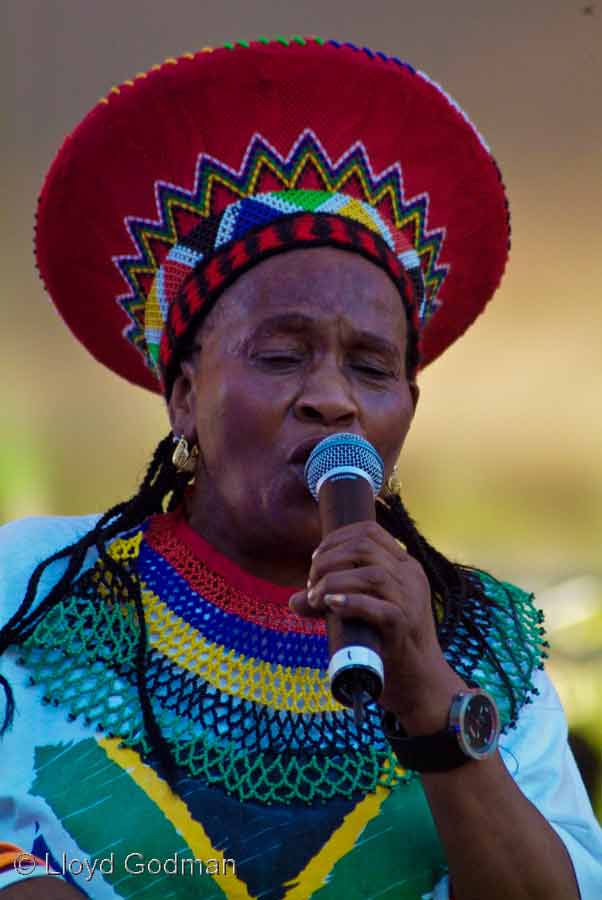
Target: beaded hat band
197 293
180 180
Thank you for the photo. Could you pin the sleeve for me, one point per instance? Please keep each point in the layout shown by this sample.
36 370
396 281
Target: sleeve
23 544
537 755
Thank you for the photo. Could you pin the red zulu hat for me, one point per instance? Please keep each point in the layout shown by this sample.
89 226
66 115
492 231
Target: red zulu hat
185 177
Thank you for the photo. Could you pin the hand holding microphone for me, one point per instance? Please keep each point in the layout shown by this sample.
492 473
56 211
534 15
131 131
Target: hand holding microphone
361 575
344 473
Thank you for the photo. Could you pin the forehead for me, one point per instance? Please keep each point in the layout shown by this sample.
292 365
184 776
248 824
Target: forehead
322 285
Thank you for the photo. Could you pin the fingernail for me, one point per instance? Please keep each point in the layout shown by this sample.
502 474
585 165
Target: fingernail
308 583
311 597
315 553
335 599
292 601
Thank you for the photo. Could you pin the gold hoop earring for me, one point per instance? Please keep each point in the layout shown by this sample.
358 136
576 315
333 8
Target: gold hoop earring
184 457
393 482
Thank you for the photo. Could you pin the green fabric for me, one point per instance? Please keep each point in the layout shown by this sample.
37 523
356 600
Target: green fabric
402 838
74 650
105 811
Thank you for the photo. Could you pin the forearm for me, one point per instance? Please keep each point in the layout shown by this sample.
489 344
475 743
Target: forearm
496 842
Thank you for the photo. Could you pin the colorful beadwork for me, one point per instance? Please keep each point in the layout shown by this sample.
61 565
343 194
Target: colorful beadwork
171 247
200 291
242 699
244 626
262 119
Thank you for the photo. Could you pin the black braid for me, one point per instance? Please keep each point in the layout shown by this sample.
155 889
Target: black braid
451 584
162 482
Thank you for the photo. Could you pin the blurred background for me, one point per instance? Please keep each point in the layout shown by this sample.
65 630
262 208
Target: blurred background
503 467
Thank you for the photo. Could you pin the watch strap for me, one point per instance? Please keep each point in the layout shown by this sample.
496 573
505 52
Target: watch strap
439 752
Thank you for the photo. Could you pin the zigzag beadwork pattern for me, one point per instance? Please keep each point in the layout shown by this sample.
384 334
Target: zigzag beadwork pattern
307 165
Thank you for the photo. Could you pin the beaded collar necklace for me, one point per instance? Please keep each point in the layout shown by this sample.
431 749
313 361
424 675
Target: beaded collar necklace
238 680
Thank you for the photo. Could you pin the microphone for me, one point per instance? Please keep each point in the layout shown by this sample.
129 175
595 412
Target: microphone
344 473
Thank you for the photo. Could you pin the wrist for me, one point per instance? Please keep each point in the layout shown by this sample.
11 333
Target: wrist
471 733
426 710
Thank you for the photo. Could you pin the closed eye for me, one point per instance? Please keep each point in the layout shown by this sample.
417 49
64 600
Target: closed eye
278 360
372 371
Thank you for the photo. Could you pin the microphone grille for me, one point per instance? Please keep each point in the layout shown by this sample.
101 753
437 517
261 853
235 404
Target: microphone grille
342 453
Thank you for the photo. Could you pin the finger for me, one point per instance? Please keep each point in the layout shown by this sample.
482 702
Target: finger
378 613
354 555
368 533
374 581
298 603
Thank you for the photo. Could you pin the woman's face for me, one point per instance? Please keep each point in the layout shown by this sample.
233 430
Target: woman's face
306 344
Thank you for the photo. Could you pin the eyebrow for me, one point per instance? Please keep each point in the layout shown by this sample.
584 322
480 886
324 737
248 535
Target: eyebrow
297 323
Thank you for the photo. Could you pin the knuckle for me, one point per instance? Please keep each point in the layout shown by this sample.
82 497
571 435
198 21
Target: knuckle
364 548
371 529
414 569
391 617
327 584
375 576
315 572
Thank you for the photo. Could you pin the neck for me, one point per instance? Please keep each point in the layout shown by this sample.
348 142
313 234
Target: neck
253 555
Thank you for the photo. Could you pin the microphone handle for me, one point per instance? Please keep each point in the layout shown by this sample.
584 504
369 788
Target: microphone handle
355 669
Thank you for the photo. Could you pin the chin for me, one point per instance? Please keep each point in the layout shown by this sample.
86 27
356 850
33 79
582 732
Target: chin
285 512
296 528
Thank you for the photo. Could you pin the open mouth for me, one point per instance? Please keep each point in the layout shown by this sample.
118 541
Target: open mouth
301 453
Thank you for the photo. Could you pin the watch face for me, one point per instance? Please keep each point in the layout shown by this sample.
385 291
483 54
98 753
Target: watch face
478 725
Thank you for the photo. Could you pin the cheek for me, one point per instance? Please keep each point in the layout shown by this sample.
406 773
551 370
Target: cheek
239 420
391 424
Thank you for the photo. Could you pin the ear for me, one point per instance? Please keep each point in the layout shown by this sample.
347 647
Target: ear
182 403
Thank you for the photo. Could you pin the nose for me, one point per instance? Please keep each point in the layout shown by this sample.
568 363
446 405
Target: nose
326 397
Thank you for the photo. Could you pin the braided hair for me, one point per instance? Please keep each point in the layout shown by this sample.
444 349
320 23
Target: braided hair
162 490
452 586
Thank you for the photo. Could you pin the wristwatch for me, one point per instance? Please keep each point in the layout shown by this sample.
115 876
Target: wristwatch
472 734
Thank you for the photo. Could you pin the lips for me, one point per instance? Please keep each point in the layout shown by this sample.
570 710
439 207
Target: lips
300 454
